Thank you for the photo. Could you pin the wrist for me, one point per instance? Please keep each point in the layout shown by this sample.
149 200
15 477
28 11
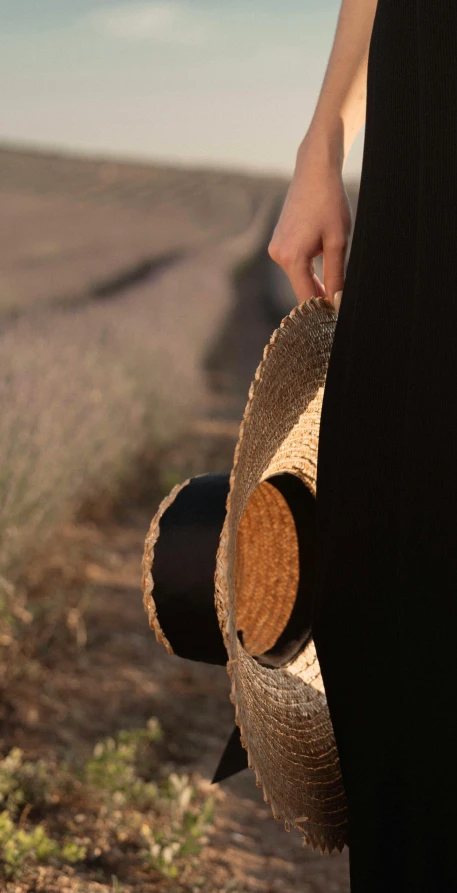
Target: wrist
325 143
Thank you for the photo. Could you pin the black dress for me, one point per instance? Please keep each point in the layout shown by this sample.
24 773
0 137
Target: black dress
385 600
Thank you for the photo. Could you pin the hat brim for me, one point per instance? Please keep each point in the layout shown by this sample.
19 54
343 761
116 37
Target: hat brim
282 712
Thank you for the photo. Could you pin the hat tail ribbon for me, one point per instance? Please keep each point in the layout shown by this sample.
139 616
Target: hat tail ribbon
234 758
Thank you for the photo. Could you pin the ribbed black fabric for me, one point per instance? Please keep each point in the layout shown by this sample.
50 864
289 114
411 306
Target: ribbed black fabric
385 599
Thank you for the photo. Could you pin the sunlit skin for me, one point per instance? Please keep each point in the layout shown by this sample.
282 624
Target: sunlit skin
316 216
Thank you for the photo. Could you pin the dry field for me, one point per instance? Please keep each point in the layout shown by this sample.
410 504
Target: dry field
135 302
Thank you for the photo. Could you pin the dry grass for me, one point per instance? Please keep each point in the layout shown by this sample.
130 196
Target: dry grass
89 387
91 801
83 394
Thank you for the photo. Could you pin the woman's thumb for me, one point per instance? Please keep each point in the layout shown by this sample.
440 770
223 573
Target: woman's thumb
337 299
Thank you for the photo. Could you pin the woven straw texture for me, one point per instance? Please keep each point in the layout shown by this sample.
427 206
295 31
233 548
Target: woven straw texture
282 713
267 569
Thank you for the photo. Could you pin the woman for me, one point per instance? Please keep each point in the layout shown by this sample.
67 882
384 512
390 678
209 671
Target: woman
385 602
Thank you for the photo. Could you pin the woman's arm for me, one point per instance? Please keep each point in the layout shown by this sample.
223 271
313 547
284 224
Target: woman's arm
340 109
316 216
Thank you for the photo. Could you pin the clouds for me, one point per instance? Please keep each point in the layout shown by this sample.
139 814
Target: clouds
171 23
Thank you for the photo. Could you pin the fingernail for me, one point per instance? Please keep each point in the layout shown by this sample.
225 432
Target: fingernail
337 299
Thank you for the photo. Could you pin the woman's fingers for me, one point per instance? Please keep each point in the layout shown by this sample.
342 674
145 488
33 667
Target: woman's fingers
333 269
319 286
300 272
315 220
304 280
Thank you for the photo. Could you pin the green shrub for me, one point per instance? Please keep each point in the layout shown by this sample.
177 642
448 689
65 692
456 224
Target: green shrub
164 819
113 766
19 848
24 782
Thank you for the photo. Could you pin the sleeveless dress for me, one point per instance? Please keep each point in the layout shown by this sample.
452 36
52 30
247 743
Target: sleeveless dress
384 616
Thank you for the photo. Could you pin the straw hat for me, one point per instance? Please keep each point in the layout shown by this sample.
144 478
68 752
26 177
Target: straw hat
228 571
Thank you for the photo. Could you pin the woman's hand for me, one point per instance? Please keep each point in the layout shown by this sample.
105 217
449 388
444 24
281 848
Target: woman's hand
315 219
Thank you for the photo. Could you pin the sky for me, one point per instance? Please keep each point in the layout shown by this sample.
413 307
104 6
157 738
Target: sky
221 83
